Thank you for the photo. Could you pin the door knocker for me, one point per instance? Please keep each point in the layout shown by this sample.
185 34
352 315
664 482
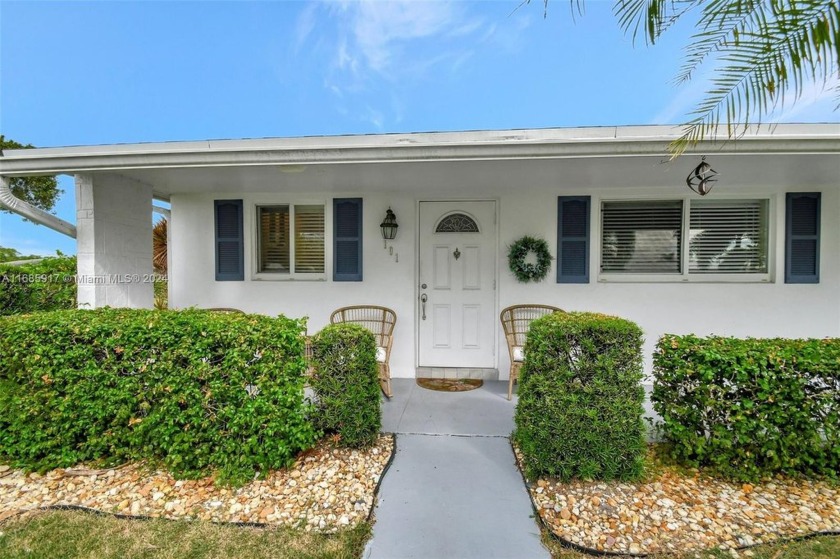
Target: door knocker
457 253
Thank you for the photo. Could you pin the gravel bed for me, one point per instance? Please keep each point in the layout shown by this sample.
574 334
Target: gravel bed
326 489
684 512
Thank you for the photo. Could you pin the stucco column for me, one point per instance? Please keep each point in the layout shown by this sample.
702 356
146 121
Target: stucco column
113 242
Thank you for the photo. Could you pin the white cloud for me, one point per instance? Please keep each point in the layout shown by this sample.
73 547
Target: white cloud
304 26
816 103
384 37
374 116
382 29
383 47
686 98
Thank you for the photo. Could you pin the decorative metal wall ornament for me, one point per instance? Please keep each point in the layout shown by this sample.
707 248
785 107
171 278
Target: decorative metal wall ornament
702 178
457 223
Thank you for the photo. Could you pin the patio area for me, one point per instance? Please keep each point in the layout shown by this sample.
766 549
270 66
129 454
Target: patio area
485 411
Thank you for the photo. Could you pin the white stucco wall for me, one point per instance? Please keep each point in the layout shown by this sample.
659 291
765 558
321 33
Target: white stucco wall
737 309
773 309
386 282
114 242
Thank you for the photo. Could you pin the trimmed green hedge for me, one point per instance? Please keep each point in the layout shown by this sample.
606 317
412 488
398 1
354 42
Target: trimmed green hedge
197 390
346 384
580 398
48 285
750 408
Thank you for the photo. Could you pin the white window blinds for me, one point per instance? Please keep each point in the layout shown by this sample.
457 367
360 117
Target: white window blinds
641 237
274 239
309 239
291 239
728 237
685 237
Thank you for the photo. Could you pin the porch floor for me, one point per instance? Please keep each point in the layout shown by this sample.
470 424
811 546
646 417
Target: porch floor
414 410
453 489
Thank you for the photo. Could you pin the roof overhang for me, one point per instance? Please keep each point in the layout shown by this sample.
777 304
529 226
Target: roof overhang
629 141
338 161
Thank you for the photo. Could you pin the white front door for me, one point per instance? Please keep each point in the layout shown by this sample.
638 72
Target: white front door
457 280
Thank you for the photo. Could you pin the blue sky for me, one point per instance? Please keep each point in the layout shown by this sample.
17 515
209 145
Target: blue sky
74 73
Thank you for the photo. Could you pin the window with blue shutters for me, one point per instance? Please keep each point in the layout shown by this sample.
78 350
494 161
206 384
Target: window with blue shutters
573 239
230 265
802 237
347 247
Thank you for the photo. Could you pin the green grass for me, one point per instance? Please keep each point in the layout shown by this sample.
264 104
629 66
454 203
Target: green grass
78 535
825 547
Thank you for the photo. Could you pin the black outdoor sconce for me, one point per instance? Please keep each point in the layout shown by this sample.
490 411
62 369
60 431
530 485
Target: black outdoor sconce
389 231
389 226
702 178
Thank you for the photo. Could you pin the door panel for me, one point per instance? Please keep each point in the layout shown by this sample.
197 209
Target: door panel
458 267
442 324
472 267
441 271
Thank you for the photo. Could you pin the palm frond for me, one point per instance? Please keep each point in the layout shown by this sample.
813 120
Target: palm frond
721 22
650 17
159 247
771 57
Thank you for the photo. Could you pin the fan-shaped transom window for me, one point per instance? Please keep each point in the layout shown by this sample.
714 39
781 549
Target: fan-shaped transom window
457 223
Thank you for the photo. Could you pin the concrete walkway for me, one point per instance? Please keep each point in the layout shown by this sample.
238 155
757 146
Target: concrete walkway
453 490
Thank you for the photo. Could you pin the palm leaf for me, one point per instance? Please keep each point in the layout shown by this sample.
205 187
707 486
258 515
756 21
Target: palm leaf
796 43
651 17
766 51
159 247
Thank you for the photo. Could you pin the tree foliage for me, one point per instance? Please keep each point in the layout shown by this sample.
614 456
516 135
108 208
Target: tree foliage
9 254
159 246
764 52
41 192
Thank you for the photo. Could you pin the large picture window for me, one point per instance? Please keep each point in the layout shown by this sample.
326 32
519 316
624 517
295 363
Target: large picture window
291 239
685 238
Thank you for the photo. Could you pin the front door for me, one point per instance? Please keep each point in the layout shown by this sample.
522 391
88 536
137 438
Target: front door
457 280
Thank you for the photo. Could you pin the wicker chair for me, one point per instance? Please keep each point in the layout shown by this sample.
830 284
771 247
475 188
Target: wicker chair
380 321
516 321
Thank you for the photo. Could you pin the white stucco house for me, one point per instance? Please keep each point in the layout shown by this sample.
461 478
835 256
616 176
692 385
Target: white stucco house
292 226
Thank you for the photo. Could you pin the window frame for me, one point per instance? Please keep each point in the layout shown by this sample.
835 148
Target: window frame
684 276
254 210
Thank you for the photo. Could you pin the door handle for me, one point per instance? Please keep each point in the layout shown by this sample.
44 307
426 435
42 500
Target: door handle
423 299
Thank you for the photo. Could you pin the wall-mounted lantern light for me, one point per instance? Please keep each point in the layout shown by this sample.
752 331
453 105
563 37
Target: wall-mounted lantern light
389 226
702 178
389 231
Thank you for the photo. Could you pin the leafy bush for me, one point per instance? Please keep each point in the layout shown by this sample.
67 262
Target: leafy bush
197 390
750 408
46 285
346 384
580 398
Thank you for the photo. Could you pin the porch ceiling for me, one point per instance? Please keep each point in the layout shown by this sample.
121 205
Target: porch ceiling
494 177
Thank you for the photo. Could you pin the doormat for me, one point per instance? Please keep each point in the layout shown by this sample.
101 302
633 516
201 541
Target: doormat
450 384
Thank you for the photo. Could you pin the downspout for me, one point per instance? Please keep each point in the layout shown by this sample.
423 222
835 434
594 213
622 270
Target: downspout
30 212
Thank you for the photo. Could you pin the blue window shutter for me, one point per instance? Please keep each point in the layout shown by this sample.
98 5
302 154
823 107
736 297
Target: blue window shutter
802 237
573 239
347 239
230 253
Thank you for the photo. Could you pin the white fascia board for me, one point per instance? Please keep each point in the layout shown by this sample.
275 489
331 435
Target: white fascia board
556 143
